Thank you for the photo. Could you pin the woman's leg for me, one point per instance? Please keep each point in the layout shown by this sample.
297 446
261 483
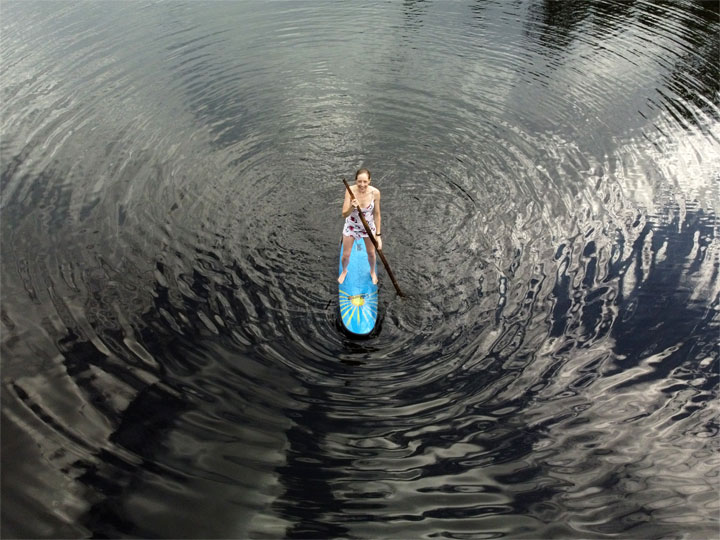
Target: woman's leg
370 248
347 243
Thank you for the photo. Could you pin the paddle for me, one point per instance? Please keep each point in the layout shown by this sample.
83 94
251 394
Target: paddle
372 239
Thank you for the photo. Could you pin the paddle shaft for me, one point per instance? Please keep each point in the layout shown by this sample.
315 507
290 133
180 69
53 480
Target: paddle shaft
374 242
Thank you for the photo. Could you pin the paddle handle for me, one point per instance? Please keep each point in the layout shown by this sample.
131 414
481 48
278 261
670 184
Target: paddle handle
374 242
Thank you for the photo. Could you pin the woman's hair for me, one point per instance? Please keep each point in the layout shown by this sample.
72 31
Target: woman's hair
361 171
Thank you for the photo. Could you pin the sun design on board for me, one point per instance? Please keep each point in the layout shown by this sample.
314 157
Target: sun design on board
359 306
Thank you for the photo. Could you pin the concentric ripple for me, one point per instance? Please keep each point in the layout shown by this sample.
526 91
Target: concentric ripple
171 191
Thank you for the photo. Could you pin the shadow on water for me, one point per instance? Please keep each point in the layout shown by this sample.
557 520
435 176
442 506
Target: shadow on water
557 25
143 404
660 305
311 471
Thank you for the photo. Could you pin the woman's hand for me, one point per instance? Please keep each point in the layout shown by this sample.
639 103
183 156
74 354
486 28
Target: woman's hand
355 203
379 242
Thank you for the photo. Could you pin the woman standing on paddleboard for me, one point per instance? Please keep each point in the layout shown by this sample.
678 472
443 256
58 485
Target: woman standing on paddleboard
367 199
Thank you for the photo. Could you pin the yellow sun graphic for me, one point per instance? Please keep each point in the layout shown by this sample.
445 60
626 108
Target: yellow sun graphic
360 307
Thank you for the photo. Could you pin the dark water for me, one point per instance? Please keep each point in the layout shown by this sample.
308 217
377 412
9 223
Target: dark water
171 365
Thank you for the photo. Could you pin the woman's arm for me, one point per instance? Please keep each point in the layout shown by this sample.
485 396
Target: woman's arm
376 213
347 205
378 219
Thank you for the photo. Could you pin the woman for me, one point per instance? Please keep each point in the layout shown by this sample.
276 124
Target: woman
366 198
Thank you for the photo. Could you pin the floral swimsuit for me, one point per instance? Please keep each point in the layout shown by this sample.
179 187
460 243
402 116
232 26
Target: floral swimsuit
353 225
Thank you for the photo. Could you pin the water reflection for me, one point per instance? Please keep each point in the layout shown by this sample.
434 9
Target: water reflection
312 472
171 361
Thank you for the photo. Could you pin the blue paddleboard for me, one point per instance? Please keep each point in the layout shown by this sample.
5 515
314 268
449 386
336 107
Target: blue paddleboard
357 295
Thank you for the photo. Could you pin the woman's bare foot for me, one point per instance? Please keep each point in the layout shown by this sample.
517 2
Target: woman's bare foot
342 276
373 276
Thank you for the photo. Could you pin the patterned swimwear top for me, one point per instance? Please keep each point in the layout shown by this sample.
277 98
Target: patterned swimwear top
354 227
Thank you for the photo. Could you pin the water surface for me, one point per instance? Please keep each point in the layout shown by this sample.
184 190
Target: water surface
171 362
